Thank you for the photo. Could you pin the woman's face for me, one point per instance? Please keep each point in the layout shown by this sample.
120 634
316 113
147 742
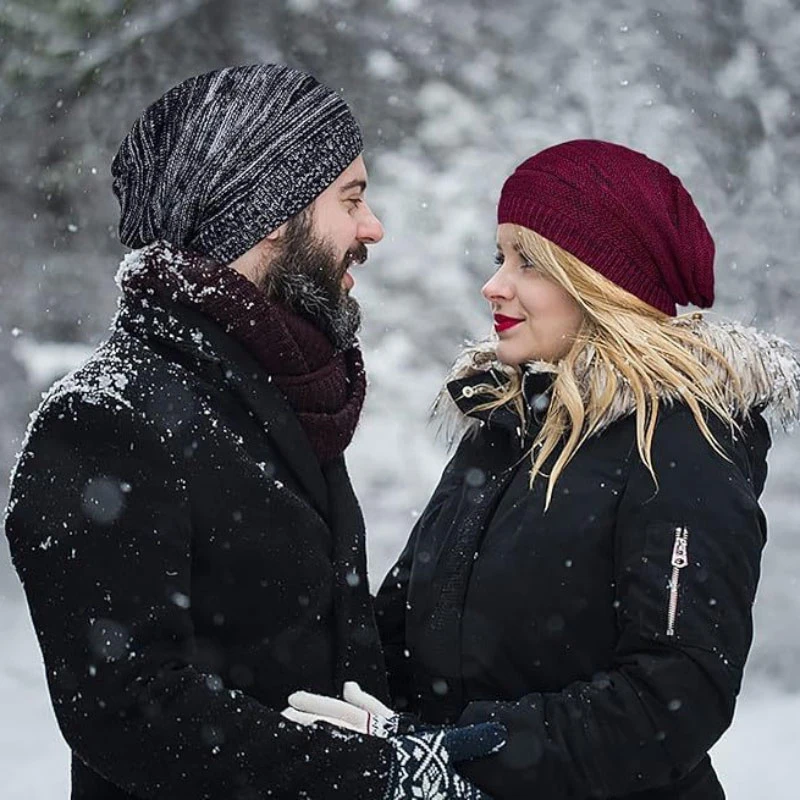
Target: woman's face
535 318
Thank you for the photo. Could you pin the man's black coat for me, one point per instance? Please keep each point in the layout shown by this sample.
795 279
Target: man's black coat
188 564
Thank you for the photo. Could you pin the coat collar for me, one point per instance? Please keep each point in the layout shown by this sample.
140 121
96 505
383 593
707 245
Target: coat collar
221 358
469 393
768 368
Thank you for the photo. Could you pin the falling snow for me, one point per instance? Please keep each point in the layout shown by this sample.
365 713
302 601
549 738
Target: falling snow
451 99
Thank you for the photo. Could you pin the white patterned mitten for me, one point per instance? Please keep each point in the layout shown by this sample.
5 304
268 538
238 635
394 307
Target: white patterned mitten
423 766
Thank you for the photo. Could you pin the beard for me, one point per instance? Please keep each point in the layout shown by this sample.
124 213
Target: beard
306 277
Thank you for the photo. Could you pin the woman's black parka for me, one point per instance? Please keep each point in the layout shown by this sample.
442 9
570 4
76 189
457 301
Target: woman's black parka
608 633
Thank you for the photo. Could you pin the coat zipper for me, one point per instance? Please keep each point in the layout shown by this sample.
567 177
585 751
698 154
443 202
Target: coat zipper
680 558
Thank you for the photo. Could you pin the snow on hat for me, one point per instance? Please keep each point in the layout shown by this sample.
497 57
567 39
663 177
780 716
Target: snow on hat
621 213
224 158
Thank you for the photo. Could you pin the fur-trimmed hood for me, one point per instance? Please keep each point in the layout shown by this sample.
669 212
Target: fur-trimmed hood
768 368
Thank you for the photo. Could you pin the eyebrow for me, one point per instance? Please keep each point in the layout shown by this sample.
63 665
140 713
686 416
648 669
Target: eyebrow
359 184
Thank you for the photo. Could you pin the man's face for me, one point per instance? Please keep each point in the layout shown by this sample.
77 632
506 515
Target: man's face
344 220
309 265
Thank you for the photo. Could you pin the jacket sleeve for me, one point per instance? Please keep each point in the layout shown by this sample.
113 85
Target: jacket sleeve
100 533
687 565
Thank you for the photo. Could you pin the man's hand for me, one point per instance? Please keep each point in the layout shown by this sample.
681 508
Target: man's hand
359 711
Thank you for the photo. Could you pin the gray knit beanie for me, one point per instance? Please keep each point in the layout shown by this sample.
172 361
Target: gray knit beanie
224 158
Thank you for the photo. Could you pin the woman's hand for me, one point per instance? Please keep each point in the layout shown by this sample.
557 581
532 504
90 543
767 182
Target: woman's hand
423 764
359 711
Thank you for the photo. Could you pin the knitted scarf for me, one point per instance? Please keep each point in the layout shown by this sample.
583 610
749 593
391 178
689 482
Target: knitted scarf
325 388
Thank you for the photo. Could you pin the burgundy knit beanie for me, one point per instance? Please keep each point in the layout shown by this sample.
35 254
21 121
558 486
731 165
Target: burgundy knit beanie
621 213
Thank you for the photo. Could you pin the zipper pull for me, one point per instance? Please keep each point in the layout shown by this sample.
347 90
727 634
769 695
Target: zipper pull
680 550
680 559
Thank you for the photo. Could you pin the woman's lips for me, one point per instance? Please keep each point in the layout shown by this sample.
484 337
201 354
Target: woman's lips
503 323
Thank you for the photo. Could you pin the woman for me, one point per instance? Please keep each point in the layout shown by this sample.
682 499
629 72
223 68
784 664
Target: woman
585 570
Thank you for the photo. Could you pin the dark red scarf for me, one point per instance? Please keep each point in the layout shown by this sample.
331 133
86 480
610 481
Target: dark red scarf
325 388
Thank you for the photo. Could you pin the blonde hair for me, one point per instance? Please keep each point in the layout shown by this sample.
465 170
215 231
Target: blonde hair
621 339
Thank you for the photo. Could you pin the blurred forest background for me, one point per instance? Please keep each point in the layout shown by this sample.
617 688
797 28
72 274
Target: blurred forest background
451 94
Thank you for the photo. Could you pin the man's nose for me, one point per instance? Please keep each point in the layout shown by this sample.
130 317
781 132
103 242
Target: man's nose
370 230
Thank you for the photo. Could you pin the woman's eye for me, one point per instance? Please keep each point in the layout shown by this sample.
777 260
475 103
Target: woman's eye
500 259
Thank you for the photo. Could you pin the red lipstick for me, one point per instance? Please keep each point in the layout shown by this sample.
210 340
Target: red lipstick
503 323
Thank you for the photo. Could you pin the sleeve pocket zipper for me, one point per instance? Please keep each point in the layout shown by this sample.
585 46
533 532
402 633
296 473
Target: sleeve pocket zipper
680 559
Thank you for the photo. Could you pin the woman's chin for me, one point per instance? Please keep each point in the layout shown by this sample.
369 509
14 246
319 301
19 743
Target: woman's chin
512 356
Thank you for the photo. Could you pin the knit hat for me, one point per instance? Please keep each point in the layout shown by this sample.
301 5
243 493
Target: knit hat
224 158
621 213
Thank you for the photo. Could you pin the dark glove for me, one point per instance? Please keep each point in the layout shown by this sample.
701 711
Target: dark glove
423 762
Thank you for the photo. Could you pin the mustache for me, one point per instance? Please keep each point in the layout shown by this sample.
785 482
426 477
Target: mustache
356 255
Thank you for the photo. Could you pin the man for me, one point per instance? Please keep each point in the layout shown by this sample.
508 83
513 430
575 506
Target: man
181 515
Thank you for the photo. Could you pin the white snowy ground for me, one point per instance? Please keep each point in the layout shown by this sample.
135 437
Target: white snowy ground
756 758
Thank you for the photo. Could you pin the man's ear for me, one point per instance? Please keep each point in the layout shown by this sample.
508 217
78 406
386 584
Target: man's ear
251 263
277 234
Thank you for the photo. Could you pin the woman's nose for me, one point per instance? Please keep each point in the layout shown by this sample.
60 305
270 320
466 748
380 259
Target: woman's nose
497 288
